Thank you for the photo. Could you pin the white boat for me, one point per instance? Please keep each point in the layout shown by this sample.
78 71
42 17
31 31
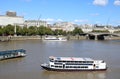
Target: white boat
54 38
74 64
8 54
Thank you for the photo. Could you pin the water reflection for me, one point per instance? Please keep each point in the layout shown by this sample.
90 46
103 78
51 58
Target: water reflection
12 60
75 75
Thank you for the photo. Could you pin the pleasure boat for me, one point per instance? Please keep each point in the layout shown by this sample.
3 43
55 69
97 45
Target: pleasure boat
54 38
74 64
8 54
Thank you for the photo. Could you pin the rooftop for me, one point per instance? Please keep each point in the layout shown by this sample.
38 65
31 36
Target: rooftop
71 59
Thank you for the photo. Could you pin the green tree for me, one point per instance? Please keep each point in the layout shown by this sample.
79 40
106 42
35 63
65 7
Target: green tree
100 31
1 30
77 31
41 30
8 30
24 31
48 31
59 32
32 30
18 30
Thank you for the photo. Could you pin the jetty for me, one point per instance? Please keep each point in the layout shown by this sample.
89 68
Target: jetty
8 54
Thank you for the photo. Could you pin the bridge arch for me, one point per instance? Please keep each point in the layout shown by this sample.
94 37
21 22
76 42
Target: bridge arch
102 36
99 36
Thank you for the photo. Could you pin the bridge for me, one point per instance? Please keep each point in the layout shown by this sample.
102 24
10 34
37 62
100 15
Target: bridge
101 36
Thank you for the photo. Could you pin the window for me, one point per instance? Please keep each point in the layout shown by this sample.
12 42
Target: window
52 65
102 62
58 63
97 66
58 66
84 67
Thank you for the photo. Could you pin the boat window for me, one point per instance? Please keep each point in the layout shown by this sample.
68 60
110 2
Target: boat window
76 61
58 63
77 64
52 65
90 61
102 62
67 66
58 66
97 66
84 67
64 61
85 61
51 60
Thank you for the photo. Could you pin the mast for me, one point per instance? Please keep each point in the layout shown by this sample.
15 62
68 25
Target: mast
38 23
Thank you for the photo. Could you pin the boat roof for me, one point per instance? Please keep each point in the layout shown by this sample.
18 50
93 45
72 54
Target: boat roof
71 59
11 51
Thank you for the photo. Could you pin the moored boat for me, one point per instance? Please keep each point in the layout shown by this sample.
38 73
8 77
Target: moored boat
74 64
54 38
8 54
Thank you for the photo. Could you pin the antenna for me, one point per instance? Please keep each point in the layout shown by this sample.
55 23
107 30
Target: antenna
108 21
38 24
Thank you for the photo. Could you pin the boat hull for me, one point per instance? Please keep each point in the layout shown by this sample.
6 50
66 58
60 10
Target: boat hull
53 69
54 40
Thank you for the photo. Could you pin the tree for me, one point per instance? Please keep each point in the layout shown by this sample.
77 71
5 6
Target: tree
24 31
48 31
1 31
41 30
100 31
18 30
77 31
32 30
8 30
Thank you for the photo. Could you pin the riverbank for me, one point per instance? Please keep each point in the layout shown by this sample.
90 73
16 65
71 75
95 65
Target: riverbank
12 38
8 38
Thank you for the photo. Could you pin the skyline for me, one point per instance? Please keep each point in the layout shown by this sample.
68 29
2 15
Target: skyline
75 11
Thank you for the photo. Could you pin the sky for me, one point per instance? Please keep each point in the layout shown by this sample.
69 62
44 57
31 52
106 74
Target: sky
75 11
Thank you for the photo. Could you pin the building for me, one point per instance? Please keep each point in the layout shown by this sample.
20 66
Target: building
65 26
86 28
37 23
11 18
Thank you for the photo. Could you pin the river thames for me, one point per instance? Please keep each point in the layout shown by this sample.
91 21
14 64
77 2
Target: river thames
38 52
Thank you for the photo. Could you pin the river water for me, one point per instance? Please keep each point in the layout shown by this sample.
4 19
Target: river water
38 52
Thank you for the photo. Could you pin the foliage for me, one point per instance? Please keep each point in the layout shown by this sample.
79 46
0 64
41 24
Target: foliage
8 30
1 31
32 30
41 30
100 31
77 31
117 32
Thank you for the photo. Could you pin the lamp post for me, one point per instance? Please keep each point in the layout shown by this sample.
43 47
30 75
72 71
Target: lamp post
15 29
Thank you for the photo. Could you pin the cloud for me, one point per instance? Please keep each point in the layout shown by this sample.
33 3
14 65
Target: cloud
81 21
51 20
95 14
60 20
117 2
100 2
